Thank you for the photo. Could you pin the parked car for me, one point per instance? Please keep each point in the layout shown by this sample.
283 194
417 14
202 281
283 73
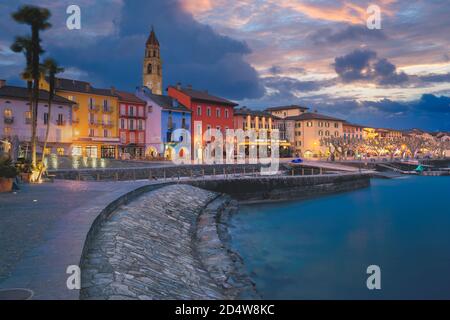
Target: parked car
297 160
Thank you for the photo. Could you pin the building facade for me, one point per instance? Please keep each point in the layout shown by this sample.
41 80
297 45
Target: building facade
247 119
309 129
16 121
132 126
213 112
353 131
165 115
152 67
94 118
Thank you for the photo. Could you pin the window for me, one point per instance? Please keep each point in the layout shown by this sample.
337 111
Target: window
320 133
327 133
226 114
327 124
336 133
60 120
60 151
208 112
199 110
77 151
91 132
105 133
122 123
91 103
7 131
320 124
71 98
105 105
140 125
132 111
7 113
336 125
131 127
217 112
309 124
149 68
45 118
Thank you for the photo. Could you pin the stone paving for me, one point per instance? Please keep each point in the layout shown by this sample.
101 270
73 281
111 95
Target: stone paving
43 229
146 250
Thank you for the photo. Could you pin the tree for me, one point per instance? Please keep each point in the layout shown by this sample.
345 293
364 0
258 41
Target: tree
51 69
415 143
37 19
340 146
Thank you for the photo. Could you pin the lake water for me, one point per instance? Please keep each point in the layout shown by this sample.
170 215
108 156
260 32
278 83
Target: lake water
321 248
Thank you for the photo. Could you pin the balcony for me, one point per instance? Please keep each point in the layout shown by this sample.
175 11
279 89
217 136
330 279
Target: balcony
27 120
108 124
61 123
9 120
108 109
94 123
94 108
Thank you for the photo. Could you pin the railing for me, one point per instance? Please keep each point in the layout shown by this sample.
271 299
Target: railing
108 109
94 123
107 124
9 120
94 108
61 122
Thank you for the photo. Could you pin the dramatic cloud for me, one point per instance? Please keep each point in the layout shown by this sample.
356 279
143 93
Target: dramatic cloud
353 33
192 52
363 65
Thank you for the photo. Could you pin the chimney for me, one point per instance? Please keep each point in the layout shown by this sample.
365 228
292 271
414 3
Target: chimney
2 83
178 85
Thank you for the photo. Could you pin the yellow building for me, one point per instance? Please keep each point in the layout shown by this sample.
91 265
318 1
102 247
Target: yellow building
94 118
309 129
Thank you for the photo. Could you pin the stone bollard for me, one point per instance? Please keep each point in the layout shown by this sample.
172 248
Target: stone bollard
292 172
303 171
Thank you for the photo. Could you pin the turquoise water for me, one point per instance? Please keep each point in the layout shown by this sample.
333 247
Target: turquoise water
321 248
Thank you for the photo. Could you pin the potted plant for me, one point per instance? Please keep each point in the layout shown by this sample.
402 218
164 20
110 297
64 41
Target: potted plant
25 170
7 174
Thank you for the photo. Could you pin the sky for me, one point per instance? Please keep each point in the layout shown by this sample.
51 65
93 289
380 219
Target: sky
319 54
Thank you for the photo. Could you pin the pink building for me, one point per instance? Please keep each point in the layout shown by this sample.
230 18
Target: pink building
15 120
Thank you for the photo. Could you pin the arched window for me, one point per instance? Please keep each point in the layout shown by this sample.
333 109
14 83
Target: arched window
159 70
149 68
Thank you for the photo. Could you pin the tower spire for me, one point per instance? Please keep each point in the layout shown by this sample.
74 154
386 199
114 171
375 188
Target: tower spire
152 69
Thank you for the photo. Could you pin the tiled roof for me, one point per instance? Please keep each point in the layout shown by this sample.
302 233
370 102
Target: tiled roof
167 102
313 116
82 87
286 108
256 113
129 97
353 124
204 96
21 93
152 39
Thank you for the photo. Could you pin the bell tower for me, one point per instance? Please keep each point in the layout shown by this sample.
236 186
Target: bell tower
152 69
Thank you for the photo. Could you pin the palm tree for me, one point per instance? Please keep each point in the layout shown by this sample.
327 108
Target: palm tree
37 19
51 70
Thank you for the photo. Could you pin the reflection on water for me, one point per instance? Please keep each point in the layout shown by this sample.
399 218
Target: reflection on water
320 248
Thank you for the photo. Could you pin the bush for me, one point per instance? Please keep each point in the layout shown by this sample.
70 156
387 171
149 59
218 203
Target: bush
7 170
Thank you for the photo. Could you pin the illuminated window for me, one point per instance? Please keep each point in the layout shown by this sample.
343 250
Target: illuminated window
7 113
60 151
77 151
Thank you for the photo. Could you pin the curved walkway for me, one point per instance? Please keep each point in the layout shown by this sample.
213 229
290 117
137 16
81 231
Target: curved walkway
146 250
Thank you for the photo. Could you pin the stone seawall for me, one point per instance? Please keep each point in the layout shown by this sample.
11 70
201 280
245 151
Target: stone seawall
171 241
163 246
276 188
